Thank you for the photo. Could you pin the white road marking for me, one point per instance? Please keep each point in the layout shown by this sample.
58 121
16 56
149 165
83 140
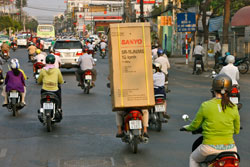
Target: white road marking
3 152
112 161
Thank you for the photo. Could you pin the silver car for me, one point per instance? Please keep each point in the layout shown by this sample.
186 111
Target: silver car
69 51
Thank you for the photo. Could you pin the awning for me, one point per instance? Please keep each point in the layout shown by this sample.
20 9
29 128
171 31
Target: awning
241 17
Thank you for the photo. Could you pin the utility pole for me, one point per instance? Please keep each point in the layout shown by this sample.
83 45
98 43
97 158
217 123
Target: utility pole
127 11
142 11
22 15
226 26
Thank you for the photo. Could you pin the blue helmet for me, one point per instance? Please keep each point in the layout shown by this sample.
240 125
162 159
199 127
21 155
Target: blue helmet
227 53
160 51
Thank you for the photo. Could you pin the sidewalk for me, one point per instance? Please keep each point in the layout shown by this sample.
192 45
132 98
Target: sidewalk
179 62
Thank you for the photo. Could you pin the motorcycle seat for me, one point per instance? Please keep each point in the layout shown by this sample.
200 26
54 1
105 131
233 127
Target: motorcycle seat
52 96
214 157
159 96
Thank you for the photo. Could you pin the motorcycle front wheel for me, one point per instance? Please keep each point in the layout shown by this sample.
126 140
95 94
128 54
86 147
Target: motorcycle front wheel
243 68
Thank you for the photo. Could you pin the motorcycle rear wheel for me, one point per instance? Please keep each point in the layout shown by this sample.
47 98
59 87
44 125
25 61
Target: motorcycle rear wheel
14 111
134 146
158 124
48 123
87 88
245 68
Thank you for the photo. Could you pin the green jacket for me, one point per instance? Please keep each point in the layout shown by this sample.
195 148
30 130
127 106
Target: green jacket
218 125
50 79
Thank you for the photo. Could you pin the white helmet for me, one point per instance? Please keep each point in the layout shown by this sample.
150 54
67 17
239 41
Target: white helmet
14 64
157 65
230 59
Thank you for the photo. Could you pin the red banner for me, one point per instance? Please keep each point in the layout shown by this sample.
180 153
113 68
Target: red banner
146 1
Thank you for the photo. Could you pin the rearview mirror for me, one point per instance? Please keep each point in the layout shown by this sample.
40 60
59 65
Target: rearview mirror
185 117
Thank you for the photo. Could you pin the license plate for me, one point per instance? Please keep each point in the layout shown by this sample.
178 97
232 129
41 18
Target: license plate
67 54
160 108
88 77
234 100
48 106
135 124
39 70
198 65
36 76
5 54
13 95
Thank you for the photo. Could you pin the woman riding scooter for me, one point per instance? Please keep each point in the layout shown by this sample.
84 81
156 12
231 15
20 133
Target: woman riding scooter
219 119
51 77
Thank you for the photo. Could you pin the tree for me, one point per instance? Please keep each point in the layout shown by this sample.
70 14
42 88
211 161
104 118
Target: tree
18 3
226 25
7 22
32 25
88 27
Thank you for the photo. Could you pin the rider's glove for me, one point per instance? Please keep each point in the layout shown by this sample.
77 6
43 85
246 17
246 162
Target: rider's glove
184 128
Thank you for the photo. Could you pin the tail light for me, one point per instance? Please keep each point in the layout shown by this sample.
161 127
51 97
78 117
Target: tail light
79 54
236 163
103 50
234 90
159 100
88 73
48 98
57 53
135 115
222 163
5 51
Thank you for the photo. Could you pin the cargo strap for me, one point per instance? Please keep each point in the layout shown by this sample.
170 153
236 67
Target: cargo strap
145 61
120 66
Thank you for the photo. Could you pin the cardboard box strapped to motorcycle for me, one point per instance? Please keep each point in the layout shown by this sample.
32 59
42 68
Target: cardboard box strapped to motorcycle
131 73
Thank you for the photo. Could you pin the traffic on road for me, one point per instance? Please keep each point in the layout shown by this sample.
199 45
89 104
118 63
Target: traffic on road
104 91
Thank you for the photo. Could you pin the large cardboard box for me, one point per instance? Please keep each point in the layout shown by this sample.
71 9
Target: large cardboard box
131 73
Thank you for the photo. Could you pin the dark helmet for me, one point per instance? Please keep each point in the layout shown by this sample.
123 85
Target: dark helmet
160 52
50 59
222 83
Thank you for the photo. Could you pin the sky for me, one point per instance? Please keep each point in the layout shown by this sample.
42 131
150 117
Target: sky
52 8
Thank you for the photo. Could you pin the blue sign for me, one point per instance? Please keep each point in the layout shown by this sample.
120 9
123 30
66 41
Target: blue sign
186 22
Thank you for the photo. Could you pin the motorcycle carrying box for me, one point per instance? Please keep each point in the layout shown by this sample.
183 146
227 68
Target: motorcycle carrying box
131 74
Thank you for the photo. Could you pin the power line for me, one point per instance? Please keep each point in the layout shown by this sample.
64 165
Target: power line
46 9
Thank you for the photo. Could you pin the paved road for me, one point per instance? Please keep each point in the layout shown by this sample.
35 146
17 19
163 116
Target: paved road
85 137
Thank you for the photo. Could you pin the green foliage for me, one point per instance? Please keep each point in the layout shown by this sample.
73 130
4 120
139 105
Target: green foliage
217 6
88 27
32 25
156 11
101 28
18 3
238 4
7 22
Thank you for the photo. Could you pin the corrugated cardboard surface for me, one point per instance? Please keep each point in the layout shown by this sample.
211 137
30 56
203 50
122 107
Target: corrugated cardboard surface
131 65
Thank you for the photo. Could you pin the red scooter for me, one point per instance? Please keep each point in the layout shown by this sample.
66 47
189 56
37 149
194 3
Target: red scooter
37 67
223 159
86 81
132 128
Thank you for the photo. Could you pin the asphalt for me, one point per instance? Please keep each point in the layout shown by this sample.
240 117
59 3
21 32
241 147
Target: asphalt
86 135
